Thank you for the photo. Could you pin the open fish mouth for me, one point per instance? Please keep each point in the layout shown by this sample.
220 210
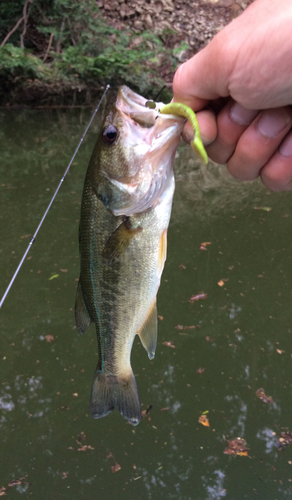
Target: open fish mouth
150 140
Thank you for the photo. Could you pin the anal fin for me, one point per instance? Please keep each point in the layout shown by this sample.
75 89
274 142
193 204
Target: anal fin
82 318
148 331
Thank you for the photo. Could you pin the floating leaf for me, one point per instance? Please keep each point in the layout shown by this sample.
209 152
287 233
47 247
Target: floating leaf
203 419
49 338
53 277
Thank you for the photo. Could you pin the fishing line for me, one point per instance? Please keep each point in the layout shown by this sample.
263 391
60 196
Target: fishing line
160 91
52 200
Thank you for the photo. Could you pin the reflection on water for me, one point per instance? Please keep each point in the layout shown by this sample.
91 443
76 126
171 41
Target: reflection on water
242 341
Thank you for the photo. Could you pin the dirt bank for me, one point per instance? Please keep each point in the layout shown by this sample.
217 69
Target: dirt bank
194 22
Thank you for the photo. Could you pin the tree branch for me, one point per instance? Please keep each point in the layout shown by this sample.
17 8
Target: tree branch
11 32
23 18
49 47
25 12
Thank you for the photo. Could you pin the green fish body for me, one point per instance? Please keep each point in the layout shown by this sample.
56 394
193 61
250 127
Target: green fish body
125 212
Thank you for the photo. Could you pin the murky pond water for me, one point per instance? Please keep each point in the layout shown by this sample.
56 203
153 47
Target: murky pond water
242 341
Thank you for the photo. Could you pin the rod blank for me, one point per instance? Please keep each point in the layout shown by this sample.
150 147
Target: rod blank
52 200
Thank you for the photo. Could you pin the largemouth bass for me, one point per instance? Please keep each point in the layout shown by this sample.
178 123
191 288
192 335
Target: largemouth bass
125 213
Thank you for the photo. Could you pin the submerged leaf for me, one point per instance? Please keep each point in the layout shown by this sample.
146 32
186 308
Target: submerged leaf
169 344
116 467
260 393
284 440
199 296
49 338
236 447
147 411
203 246
181 327
266 209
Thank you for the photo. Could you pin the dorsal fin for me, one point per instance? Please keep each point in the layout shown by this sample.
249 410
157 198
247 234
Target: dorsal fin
148 331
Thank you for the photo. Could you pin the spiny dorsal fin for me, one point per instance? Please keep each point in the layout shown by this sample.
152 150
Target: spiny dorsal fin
148 331
82 317
119 241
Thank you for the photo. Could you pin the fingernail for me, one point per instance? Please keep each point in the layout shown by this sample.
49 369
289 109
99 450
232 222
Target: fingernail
241 115
272 122
286 147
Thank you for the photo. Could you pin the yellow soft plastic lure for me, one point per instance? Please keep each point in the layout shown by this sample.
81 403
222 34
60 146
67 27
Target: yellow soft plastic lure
176 108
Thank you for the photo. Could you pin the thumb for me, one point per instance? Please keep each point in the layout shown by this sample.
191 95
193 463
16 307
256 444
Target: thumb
202 78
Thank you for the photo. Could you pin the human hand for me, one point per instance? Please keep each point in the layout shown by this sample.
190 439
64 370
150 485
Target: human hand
242 83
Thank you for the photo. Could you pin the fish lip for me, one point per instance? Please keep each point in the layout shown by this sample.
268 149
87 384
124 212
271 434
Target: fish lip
130 97
134 105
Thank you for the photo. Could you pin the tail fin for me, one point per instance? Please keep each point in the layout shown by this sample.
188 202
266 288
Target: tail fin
108 391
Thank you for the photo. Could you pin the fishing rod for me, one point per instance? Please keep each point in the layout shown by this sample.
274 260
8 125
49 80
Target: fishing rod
52 200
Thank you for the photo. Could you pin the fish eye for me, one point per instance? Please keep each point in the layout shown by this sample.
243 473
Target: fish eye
110 135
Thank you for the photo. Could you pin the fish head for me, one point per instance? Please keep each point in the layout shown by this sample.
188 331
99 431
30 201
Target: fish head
134 154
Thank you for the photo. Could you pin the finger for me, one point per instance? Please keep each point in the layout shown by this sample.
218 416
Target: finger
277 173
207 126
259 142
205 76
232 121
183 89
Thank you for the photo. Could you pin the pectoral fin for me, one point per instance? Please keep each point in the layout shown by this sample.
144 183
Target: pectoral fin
82 317
148 331
119 241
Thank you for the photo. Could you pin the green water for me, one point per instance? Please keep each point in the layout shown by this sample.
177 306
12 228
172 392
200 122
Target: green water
243 342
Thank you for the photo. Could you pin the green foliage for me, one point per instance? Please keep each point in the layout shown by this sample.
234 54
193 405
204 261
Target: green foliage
68 42
15 61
